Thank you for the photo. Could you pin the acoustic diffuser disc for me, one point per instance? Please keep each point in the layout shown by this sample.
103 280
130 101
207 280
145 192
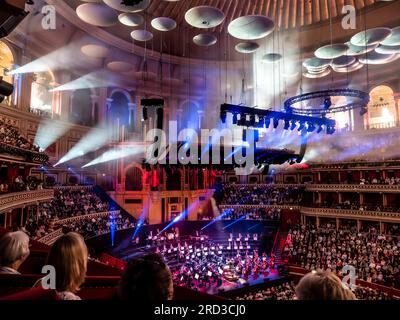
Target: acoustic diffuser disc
97 14
204 17
251 27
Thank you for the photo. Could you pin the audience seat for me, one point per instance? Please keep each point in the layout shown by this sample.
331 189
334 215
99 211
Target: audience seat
32 294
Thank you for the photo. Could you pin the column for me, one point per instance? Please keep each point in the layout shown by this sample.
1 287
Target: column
340 197
317 221
5 219
200 114
95 99
179 118
361 198
131 108
337 223
358 225
107 115
71 102
381 227
385 200
22 217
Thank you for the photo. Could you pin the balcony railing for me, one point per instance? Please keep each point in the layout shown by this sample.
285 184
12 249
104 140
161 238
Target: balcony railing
27 155
352 214
387 188
16 200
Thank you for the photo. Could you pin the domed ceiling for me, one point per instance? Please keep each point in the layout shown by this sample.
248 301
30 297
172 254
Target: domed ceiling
188 27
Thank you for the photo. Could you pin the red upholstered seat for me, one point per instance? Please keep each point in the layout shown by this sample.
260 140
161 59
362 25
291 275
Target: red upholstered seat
32 294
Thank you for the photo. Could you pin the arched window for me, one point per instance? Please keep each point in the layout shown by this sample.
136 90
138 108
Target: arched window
190 117
133 179
7 64
81 112
119 110
344 120
382 110
41 96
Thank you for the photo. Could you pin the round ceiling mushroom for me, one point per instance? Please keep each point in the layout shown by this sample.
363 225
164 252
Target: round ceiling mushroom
316 63
331 51
317 75
271 57
205 40
163 24
251 27
393 39
343 61
95 51
377 58
119 66
358 50
351 68
97 14
247 47
204 17
131 19
388 49
141 35
117 5
370 36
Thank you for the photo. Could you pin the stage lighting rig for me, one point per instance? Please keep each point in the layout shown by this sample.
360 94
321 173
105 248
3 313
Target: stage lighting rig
327 103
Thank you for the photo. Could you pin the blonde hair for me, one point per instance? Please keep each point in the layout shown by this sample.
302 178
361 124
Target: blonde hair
69 257
322 286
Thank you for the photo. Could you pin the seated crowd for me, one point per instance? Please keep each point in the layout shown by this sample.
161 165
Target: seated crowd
268 194
375 257
21 183
10 135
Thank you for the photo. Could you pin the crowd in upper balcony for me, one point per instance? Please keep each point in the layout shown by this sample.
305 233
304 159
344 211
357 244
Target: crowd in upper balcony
66 203
10 135
21 183
233 194
376 257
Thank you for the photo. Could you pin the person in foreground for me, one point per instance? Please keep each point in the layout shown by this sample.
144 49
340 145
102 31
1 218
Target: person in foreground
14 249
322 286
69 256
146 279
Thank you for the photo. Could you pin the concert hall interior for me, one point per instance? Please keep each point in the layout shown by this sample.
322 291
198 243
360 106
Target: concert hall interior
199 150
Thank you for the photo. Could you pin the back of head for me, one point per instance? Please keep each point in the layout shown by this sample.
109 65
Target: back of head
14 247
147 279
68 256
322 286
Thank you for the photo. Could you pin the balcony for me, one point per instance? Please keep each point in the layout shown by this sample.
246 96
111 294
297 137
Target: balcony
16 200
392 217
371 188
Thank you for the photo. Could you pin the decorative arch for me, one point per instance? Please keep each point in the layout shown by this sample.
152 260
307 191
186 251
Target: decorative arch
81 111
190 117
133 178
7 59
382 109
41 97
119 109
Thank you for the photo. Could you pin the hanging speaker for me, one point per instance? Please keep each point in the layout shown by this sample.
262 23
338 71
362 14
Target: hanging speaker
160 118
145 115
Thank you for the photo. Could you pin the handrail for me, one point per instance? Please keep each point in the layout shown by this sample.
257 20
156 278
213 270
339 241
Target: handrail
354 187
15 200
86 216
28 155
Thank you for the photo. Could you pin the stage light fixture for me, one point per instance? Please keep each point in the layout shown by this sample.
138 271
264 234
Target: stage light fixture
330 130
327 103
6 89
223 117
293 125
145 115
276 123
302 126
311 127
320 129
235 118
252 120
261 122
287 125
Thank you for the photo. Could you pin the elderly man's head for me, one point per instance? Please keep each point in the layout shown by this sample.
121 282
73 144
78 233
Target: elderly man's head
14 249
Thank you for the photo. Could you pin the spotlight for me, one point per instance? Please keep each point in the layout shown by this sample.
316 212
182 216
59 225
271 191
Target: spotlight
6 89
327 103
330 130
363 111
293 126
302 126
287 125
243 120
276 123
252 120
235 118
311 127
223 117
320 129
261 122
